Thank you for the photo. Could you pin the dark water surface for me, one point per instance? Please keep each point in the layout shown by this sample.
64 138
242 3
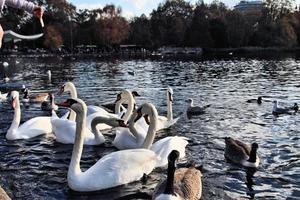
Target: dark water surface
37 168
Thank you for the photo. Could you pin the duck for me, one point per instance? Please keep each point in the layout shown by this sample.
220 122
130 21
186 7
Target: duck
33 97
3 96
180 184
49 106
70 87
139 138
258 100
240 153
295 107
29 129
114 169
278 110
195 110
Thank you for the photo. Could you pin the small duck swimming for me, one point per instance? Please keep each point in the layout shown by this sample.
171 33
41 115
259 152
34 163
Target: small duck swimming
195 110
34 97
258 100
278 110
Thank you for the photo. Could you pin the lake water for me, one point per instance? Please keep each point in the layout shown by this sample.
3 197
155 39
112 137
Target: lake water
37 168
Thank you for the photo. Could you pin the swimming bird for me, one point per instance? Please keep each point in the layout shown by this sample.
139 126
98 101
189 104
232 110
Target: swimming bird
258 100
49 105
295 107
31 128
241 153
278 110
195 110
34 97
5 64
113 169
139 138
181 184
3 97
49 74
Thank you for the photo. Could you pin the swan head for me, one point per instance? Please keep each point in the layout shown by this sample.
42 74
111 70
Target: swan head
135 94
124 94
146 110
170 94
13 97
65 88
77 105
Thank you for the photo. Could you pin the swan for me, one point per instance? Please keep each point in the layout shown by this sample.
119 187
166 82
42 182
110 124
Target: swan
48 106
181 184
166 122
277 110
258 100
34 97
137 138
112 170
5 64
241 153
70 87
195 110
3 97
31 128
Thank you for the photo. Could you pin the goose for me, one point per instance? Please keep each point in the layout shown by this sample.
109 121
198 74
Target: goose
115 169
277 110
112 106
48 106
195 110
34 97
258 100
3 97
70 87
29 129
295 107
137 138
181 184
241 153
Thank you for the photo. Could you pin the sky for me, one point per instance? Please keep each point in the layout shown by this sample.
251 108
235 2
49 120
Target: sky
132 8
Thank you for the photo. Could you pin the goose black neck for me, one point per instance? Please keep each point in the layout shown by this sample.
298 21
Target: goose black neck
252 157
170 178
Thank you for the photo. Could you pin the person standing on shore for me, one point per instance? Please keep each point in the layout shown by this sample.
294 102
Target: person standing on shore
30 7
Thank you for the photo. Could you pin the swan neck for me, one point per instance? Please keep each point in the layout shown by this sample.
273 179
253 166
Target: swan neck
170 109
17 118
73 92
72 115
100 120
170 178
151 130
74 168
129 110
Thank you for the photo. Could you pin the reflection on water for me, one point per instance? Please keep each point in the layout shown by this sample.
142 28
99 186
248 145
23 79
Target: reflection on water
37 168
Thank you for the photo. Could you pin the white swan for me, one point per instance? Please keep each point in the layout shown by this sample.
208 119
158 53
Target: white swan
112 170
31 128
135 138
166 122
70 87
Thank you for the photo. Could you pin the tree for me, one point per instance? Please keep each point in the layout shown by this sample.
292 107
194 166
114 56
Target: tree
140 31
278 8
53 38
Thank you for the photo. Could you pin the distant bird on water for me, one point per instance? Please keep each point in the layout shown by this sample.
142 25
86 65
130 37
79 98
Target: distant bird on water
195 110
278 110
258 100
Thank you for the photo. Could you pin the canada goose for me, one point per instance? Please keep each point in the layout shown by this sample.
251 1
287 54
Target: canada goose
195 110
181 184
258 100
33 97
240 153
49 105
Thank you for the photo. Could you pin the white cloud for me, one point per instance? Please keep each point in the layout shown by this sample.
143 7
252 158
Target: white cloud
127 14
88 6
139 4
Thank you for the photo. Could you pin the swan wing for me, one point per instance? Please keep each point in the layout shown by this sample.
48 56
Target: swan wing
115 169
93 109
38 123
125 139
163 148
164 123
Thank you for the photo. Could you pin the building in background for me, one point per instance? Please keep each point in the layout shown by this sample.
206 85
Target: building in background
245 6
